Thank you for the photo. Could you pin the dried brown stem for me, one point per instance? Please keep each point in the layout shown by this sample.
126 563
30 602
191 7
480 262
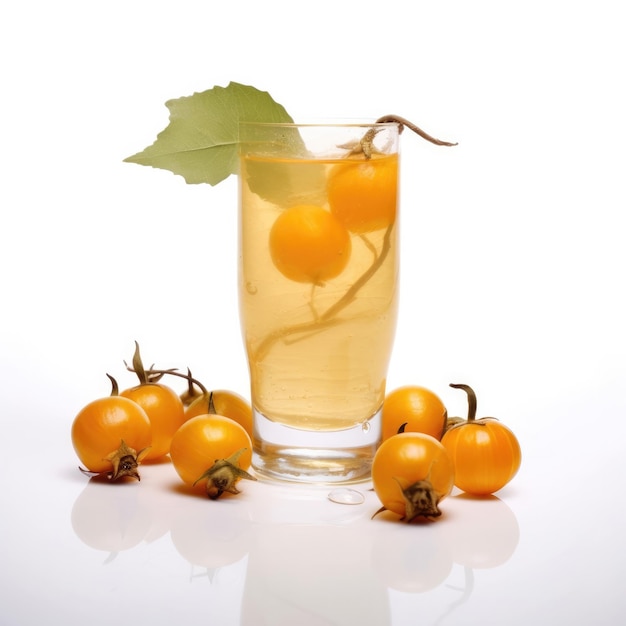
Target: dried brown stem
385 119
173 372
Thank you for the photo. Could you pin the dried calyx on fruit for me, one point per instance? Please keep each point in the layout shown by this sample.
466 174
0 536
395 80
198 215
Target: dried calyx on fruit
125 461
223 476
420 499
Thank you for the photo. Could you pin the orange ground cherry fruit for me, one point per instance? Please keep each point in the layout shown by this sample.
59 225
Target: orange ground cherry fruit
418 408
362 194
223 402
486 454
111 436
212 451
161 403
165 411
411 474
309 245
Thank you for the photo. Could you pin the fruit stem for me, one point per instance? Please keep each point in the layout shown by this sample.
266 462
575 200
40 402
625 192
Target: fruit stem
402 122
351 293
190 394
471 400
138 366
115 390
172 372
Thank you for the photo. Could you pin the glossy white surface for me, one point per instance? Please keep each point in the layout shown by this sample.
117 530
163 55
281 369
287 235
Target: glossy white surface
513 279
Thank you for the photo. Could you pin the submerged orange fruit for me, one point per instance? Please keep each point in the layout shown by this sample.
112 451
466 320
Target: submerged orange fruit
363 194
308 244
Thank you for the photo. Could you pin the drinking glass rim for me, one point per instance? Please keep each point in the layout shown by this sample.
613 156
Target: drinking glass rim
321 124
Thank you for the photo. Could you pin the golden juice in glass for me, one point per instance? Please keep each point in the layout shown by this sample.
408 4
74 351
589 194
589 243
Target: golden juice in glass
318 296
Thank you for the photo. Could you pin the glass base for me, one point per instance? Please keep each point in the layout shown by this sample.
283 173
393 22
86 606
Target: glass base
316 457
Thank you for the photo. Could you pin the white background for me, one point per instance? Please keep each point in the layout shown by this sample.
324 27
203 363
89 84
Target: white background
512 242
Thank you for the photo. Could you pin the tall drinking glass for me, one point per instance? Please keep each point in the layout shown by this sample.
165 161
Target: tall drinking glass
318 291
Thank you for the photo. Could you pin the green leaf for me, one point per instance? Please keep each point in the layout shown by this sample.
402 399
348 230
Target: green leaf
201 141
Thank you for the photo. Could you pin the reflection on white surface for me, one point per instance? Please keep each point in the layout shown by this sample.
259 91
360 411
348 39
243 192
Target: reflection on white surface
478 533
406 608
210 538
413 558
224 601
293 555
486 532
309 574
110 517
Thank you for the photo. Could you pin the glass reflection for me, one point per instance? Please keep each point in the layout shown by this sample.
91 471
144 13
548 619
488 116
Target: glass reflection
313 574
297 556
309 562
